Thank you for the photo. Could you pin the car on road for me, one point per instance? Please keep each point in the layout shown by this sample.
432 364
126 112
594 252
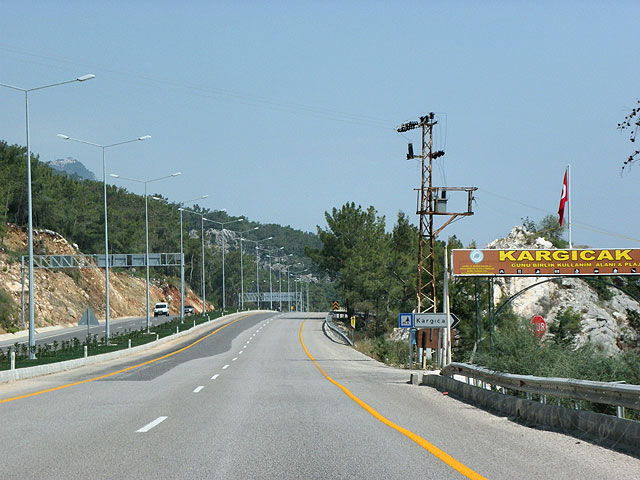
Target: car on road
161 308
189 310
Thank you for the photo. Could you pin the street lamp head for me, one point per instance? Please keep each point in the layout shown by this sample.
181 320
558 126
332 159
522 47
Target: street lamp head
176 174
86 77
114 175
256 228
145 137
64 137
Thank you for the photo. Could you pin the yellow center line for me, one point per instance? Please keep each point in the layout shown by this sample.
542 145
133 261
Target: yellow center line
445 457
60 387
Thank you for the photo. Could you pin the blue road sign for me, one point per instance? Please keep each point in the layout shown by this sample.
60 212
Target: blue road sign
405 320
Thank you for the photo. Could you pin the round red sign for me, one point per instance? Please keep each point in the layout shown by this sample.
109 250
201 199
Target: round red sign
538 326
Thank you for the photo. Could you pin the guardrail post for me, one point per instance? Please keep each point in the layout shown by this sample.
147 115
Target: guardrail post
543 399
620 412
12 356
177 329
129 344
157 336
85 351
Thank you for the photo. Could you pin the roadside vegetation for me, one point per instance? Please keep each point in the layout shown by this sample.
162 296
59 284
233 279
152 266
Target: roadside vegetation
74 209
374 272
72 349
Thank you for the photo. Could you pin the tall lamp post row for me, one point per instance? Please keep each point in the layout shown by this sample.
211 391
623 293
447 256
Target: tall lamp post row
106 234
182 256
146 221
222 224
32 341
242 267
107 333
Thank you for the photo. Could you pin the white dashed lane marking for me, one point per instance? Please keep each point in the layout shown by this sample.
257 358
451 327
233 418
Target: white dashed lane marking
149 426
215 376
197 389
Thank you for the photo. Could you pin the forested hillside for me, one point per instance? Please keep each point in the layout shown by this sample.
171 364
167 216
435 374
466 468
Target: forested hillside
75 210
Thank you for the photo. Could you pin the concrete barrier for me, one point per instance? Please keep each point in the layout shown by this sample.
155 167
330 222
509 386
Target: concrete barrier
605 430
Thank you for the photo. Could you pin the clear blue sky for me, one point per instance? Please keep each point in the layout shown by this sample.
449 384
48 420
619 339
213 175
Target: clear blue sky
282 110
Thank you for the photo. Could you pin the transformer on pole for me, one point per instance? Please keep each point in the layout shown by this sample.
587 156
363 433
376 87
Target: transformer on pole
430 201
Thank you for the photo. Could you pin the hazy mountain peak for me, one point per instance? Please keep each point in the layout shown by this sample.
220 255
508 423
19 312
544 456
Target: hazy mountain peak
71 167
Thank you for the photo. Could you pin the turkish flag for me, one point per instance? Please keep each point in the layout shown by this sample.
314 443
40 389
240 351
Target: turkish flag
563 198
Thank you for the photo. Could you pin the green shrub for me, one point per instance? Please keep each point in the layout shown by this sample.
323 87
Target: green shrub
8 309
566 326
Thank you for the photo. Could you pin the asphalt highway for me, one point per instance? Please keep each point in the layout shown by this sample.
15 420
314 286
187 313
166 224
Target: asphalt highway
269 396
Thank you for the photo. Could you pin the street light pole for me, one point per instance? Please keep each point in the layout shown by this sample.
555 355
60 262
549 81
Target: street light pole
224 305
146 220
204 304
180 209
32 340
241 267
202 219
107 331
258 242
270 272
270 285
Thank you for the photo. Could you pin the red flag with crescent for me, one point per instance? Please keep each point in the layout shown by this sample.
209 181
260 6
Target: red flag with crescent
563 199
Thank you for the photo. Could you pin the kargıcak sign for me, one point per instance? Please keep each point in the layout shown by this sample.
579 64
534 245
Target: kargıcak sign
430 320
546 262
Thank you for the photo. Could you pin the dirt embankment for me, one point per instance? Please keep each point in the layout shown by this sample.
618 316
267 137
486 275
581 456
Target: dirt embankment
61 296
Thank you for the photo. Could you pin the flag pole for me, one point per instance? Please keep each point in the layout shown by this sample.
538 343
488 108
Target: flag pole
569 200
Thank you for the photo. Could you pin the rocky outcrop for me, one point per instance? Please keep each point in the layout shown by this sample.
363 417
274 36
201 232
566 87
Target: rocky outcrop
62 296
603 323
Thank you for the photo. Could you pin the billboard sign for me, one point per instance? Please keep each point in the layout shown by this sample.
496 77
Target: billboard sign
545 263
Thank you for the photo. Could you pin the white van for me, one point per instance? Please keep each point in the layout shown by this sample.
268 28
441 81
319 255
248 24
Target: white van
161 308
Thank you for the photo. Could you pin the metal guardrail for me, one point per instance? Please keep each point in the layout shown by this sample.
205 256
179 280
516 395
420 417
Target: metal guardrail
610 393
329 322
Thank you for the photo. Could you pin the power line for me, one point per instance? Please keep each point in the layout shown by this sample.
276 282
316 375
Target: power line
207 91
584 226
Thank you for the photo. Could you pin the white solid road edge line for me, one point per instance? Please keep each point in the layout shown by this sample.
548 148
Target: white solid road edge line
149 426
